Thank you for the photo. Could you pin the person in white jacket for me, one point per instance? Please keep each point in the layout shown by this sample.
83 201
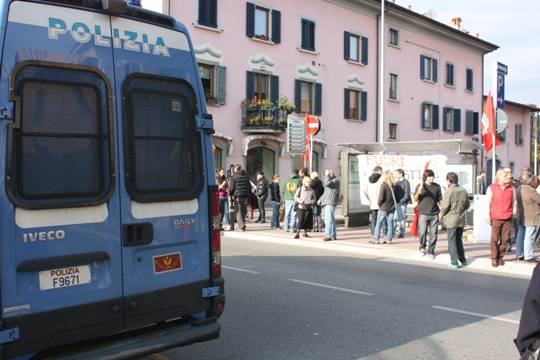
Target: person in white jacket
371 190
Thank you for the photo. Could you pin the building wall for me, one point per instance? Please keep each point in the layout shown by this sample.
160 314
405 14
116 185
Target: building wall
332 18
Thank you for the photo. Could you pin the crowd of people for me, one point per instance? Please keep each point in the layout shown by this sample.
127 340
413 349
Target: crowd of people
308 203
301 207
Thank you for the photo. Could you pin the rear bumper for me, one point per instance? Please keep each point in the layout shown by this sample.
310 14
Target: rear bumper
144 342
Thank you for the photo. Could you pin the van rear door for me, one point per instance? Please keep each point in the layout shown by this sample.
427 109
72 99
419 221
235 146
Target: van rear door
164 203
61 277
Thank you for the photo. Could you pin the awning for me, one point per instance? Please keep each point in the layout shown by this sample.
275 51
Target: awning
457 146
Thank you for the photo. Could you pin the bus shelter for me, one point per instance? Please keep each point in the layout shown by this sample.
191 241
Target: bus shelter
357 161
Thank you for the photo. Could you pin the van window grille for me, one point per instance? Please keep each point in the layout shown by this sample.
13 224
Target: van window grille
162 144
60 153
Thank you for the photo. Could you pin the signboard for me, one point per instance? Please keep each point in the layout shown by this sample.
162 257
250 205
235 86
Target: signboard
313 125
296 134
501 71
502 121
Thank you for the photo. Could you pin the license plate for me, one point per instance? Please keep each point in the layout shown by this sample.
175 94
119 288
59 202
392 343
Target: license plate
59 278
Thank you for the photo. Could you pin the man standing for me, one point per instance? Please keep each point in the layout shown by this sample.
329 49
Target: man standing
240 189
481 183
262 194
502 207
428 195
372 190
454 204
329 201
405 200
292 183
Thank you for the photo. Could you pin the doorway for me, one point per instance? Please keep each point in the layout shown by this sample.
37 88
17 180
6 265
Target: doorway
260 158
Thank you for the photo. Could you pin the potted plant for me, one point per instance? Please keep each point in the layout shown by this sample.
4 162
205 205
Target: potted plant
284 109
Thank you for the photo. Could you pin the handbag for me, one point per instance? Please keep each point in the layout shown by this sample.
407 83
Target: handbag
398 211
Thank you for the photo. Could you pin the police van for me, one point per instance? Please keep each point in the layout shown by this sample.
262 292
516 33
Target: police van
109 239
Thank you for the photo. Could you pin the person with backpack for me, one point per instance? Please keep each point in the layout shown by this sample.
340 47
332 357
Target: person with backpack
292 184
304 202
239 189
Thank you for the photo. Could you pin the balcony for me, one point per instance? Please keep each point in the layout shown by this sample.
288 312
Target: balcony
263 116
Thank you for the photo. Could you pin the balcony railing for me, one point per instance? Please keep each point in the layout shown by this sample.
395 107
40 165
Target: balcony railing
265 118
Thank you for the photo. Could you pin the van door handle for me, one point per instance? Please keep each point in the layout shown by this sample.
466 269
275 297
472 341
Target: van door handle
138 234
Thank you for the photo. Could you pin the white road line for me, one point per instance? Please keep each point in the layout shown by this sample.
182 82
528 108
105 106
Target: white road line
240 269
496 318
332 287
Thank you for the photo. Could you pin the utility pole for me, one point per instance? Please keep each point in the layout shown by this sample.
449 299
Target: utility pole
381 76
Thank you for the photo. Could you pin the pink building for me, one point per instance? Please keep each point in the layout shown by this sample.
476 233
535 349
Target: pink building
322 56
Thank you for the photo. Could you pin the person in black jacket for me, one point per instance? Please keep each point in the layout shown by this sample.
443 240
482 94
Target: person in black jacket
239 189
528 337
317 186
388 199
275 198
262 194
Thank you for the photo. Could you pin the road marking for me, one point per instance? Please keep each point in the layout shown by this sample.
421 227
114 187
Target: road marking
332 287
240 269
497 318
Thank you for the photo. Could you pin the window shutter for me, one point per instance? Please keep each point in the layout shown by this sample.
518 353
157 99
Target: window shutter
274 88
346 104
422 68
276 26
457 120
446 122
311 27
346 45
250 78
203 12
304 35
363 106
221 89
435 69
318 99
297 94
476 124
469 79
435 114
469 128
250 20
364 50
212 13
422 110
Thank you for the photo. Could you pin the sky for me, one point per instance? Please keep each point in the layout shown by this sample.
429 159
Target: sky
513 26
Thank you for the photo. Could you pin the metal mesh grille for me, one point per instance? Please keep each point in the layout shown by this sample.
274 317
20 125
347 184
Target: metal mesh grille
60 148
163 147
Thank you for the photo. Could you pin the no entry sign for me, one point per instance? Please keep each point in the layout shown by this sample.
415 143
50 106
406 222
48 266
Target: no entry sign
313 125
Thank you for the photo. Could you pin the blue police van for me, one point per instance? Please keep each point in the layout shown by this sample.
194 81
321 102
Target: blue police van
109 238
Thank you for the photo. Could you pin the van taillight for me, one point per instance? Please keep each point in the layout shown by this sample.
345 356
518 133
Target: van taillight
215 232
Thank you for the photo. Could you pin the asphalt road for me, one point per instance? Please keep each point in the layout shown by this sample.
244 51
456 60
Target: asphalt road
286 302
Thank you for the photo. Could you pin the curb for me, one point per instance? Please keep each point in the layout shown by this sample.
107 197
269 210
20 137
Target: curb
387 253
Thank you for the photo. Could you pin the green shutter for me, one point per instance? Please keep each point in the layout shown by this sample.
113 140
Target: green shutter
250 78
274 88
457 120
318 99
346 103
298 95
363 105
221 88
250 20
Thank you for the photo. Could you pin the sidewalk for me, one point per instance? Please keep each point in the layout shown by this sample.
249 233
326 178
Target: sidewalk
406 249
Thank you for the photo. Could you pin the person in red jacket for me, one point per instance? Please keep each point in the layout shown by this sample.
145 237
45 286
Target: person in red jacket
502 208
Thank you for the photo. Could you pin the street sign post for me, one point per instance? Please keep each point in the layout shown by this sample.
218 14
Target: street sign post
296 134
313 127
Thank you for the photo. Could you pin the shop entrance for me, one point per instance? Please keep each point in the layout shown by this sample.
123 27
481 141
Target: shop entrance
260 158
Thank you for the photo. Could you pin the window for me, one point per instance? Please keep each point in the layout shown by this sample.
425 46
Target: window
430 116
471 126
469 75
519 134
308 35
261 86
393 90
163 160
450 74
448 119
355 105
428 68
263 23
208 13
356 48
213 82
218 157
392 131
394 37
60 147
308 97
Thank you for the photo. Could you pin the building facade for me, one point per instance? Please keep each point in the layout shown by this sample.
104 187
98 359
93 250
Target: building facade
260 60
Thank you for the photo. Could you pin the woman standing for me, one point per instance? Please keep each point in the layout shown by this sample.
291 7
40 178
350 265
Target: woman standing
528 202
304 200
223 192
387 206
318 188
275 198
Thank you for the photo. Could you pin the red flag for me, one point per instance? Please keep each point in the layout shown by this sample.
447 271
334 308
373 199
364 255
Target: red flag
488 124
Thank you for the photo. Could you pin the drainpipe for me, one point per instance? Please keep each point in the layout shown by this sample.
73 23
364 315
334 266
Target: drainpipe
381 75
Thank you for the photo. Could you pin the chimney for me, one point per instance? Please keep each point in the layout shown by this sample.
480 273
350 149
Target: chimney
457 22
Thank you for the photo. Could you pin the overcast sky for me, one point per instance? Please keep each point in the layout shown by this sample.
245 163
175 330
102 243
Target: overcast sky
514 27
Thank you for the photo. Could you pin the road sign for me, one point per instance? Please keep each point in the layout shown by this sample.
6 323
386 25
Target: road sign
296 134
501 71
313 125
502 120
